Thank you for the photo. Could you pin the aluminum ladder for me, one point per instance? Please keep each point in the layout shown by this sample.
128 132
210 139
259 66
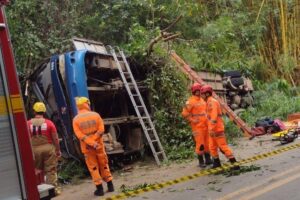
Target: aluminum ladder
139 106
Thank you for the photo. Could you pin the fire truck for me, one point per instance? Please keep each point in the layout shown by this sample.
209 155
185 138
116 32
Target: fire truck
18 179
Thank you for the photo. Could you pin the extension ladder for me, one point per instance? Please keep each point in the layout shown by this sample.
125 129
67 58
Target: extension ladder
139 106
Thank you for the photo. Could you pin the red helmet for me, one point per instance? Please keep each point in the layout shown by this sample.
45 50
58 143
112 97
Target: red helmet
195 87
206 88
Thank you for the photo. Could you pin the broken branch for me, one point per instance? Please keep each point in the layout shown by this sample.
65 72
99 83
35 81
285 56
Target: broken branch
173 23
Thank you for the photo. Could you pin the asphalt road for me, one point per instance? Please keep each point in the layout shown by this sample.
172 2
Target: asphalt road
278 178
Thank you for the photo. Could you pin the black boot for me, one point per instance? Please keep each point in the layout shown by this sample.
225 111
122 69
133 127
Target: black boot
99 191
233 160
110 186
216 163
207 159
201 161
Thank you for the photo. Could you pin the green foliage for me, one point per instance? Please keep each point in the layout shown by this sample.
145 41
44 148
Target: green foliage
274 100
222 39
71 171
216 35
243 169
232 131
220 34
138 39
124 188
288 64
226 42
168 97
40 28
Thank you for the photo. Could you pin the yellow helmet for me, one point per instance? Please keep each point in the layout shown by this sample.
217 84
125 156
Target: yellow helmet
81 100
39 107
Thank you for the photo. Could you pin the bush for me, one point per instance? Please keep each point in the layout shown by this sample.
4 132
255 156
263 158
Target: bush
275 100
71 171
169 93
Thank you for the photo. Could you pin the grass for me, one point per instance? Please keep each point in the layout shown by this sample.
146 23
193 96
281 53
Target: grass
274 100
71 171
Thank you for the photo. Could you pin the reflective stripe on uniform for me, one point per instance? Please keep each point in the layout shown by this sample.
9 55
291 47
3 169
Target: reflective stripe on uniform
88 135
211 120
87 124
198 104
98 179
195 133
85 114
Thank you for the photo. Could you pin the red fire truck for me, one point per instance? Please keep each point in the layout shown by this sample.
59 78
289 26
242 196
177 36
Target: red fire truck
17 174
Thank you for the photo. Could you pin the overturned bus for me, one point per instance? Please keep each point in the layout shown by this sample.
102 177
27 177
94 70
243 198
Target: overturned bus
92 72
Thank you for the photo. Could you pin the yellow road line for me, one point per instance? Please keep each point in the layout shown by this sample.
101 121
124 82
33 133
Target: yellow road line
201 173
258 185
271 187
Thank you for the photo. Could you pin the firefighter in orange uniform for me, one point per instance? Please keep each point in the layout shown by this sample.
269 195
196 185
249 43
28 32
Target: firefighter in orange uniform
217 139
89 128
45 144
195 113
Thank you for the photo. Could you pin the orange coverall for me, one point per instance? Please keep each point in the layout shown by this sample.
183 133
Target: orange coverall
88 127
216 129
195 113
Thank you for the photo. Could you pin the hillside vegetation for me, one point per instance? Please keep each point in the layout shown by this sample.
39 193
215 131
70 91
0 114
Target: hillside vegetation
257 37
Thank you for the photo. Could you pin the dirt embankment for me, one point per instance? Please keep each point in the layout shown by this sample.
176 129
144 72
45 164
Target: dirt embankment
148 172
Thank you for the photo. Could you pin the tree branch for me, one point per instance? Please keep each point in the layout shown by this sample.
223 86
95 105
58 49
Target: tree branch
173 23
164 35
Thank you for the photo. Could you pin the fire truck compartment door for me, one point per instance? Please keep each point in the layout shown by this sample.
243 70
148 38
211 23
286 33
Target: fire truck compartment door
10 187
